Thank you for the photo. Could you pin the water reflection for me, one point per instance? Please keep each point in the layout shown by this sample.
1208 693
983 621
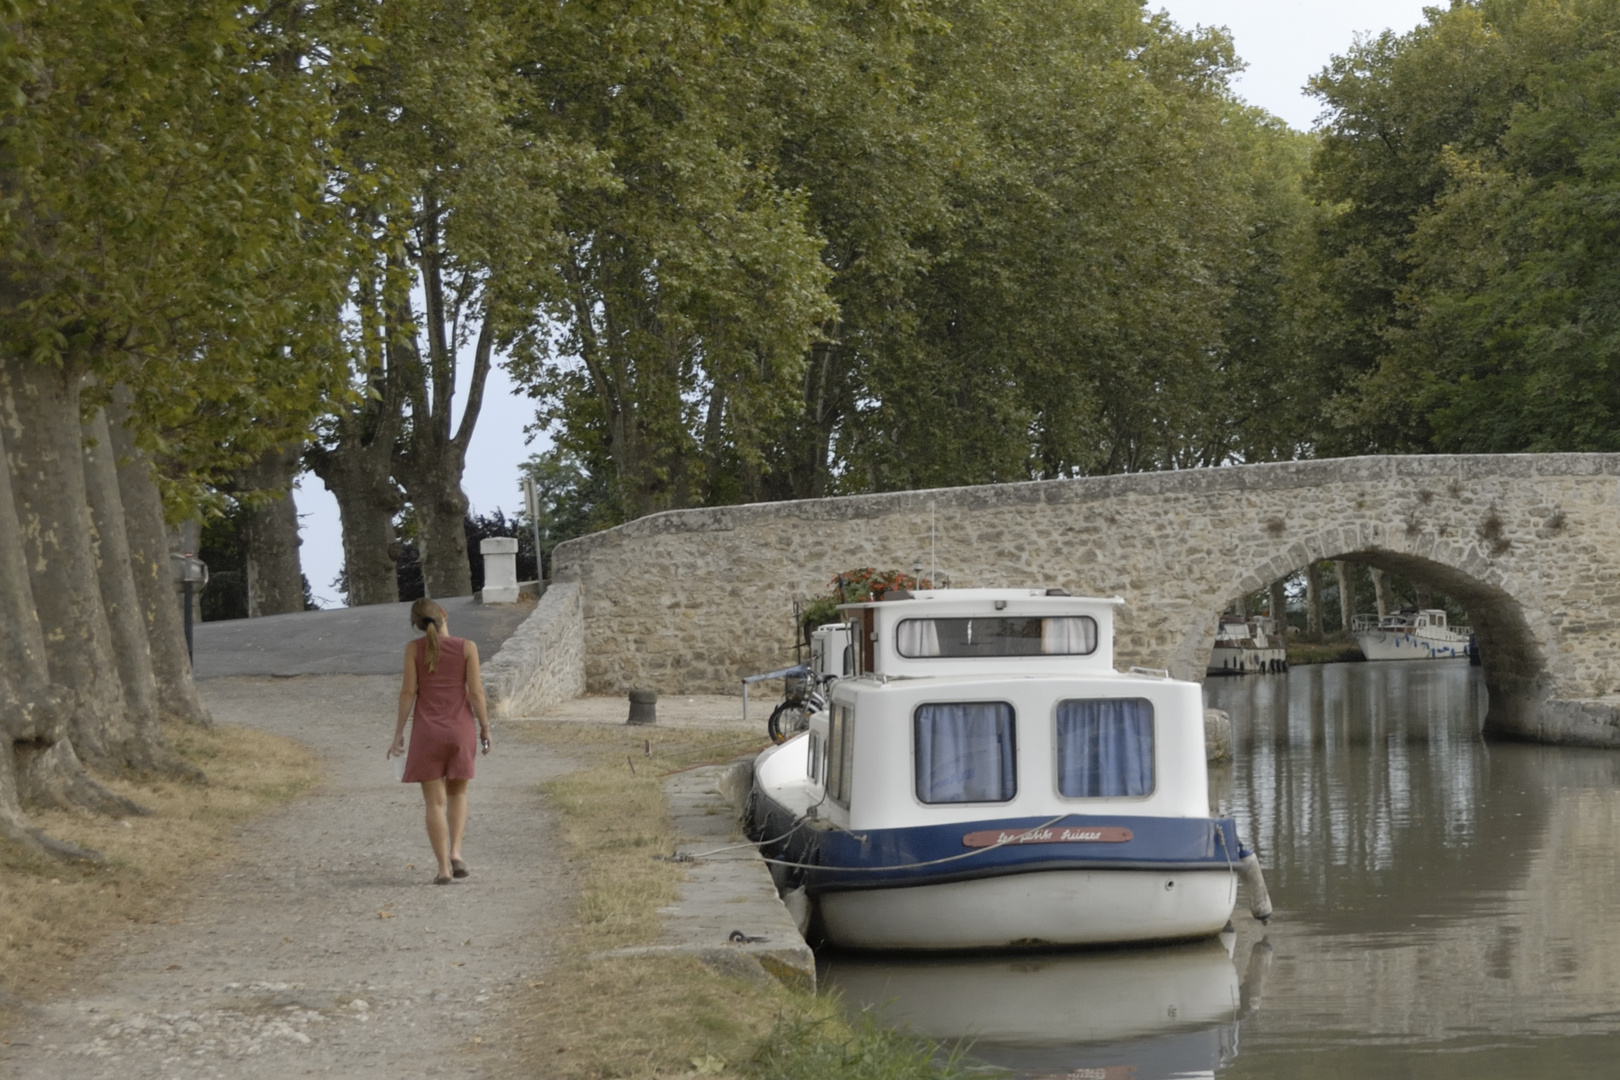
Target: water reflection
1445 908
1146 1014
1438 895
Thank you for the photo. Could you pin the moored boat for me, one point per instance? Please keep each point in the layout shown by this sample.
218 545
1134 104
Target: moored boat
986 779
1246 646
1411 635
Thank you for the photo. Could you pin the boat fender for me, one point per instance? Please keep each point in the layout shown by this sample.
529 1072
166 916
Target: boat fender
797 902
1254 881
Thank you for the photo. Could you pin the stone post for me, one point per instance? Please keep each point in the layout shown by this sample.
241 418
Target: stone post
500 569
643 707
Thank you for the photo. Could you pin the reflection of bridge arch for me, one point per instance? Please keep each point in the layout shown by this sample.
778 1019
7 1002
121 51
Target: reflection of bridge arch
692 600
1515 669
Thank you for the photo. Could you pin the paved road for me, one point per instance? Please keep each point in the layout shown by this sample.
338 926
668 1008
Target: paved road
324 948
343 641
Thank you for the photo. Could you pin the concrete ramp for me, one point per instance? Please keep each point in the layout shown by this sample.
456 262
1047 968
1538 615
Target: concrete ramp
342 641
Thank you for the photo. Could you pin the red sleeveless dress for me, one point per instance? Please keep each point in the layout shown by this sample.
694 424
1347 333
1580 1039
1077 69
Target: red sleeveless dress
444 730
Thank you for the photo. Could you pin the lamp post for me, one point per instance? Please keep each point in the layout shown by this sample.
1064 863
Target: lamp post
191 573
531 504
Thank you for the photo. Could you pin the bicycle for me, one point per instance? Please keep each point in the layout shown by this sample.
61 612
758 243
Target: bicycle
801 699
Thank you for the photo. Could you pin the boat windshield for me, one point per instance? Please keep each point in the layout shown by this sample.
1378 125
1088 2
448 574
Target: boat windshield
1014 635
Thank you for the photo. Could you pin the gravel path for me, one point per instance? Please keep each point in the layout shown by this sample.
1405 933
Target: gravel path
320 950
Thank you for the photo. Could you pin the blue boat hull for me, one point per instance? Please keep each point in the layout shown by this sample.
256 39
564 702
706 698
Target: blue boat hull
925 888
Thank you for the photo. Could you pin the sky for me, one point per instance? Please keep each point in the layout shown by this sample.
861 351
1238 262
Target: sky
1284 43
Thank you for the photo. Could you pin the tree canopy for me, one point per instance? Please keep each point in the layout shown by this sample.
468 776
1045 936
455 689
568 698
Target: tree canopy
1470 166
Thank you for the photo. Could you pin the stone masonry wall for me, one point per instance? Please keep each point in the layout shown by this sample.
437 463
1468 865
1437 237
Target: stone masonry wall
691 601
543 663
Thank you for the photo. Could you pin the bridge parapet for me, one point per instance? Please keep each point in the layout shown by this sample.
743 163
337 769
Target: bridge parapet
690 601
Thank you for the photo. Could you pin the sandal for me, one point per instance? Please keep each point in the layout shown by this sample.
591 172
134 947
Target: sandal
441 880
458 868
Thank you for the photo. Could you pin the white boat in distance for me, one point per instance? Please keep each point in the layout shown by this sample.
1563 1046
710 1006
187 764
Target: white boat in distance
1411 635
1246 646
985 779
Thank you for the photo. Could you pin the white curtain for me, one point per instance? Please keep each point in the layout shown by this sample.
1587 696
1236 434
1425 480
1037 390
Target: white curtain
1073 636
918 637
1105 748
965 752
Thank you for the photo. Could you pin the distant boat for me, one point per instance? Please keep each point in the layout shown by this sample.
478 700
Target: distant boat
1411 635
983 778
1246 646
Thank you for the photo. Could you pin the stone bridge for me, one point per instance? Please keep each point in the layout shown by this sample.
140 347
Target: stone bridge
690 601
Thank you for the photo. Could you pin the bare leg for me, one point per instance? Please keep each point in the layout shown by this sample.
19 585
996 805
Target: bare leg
438 824
456 811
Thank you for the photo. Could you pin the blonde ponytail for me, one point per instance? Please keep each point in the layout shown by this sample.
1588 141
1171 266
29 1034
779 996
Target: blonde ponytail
428 617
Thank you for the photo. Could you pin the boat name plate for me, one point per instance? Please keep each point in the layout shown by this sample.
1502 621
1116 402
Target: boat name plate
1066 834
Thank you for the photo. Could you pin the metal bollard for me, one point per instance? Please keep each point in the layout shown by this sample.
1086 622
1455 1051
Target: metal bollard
643 707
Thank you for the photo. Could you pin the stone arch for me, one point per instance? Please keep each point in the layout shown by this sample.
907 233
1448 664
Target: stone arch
693 600
1514 662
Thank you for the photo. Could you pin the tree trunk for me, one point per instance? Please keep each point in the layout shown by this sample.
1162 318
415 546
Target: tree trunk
1380 591
441 512
1279 606
358 475
119 599
37 763
1347 593
270 535
431 467
1313 601
358 466
153 573
31 709
47 473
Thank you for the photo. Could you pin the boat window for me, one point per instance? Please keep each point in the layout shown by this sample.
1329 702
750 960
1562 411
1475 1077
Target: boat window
840 752
814 755
1105 747
965 752
1070 635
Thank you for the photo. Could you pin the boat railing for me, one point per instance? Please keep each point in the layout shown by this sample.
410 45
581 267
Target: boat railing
1405 623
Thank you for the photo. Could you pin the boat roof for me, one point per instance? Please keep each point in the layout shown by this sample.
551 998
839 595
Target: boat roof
888 616
1043 600
983 679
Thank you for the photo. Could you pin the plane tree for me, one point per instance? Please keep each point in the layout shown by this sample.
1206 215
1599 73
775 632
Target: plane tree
164 242
462 205
1473 159
691 286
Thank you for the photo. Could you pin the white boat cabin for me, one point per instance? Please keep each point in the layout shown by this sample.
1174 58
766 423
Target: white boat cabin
974 704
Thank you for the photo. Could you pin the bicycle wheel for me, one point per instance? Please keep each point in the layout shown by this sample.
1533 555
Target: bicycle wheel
787 719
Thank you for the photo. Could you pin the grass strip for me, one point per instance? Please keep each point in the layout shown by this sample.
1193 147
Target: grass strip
51 912
662 1016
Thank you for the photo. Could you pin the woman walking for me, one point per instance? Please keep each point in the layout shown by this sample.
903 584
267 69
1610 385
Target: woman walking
443 689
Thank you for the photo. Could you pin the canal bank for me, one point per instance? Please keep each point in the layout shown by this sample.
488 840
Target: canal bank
727 913
650 984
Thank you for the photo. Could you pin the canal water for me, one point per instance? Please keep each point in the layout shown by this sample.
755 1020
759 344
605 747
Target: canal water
1446 908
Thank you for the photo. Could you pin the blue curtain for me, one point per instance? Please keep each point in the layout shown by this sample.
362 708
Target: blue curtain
1105 748
965 752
